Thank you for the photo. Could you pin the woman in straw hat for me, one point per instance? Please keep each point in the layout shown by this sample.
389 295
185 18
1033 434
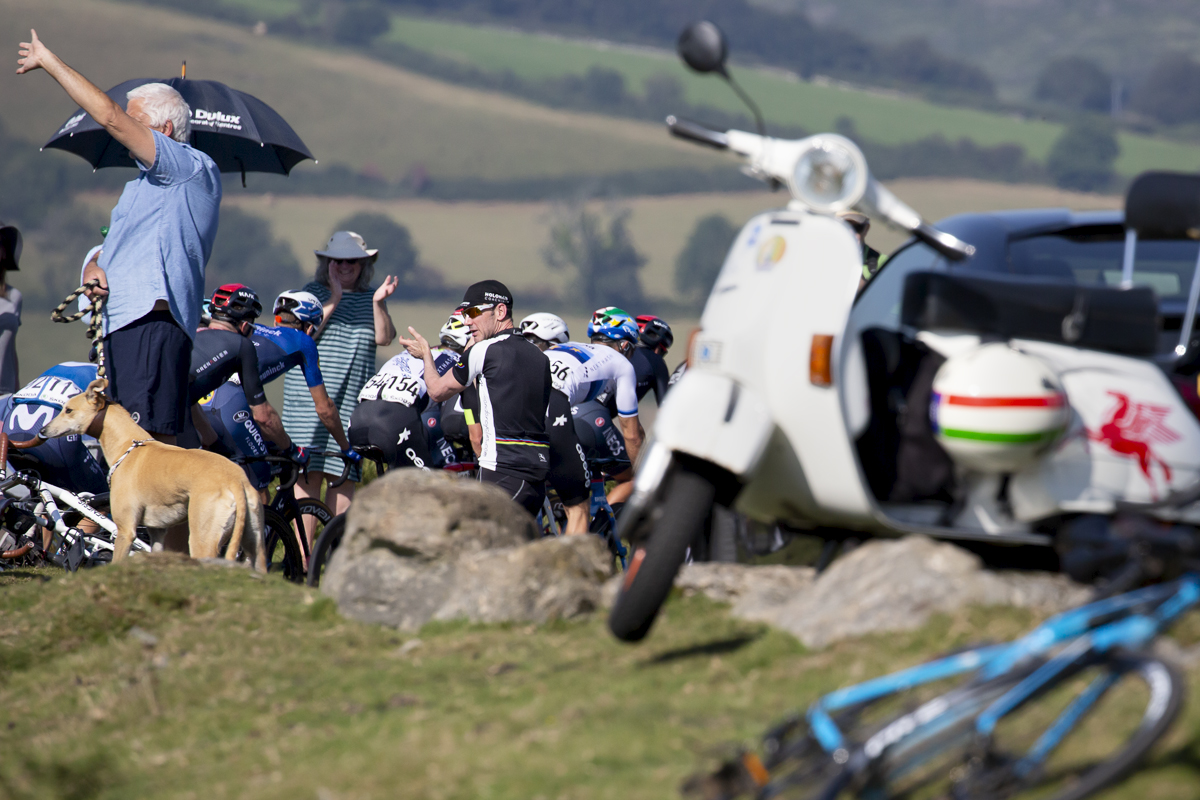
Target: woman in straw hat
356 322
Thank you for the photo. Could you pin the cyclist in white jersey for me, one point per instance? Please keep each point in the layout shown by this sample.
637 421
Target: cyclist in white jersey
388 414
584 371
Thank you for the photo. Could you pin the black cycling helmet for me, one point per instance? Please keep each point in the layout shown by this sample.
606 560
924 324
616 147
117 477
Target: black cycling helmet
235 302
654 332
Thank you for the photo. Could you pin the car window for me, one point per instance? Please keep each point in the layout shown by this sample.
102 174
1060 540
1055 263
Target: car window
1094 257
879 303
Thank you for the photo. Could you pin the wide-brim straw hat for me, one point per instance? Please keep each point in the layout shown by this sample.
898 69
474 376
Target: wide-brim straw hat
346 244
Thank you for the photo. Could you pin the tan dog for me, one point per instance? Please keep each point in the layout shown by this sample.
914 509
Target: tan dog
159 485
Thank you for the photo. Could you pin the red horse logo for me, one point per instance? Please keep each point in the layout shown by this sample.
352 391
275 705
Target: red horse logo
1132 428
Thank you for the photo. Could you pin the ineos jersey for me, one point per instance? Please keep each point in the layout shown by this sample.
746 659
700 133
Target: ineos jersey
279 349
218 354
513 380
652 373
402 380
584 371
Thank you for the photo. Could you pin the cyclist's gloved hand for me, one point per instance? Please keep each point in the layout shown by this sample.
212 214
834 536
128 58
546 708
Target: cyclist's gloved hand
299 454
353 456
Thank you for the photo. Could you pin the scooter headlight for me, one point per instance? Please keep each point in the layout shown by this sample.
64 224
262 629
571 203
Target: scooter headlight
831 175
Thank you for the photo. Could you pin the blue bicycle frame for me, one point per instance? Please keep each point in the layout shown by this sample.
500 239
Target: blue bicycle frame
1129 621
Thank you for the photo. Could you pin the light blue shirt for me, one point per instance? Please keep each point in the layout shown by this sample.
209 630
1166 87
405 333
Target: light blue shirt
161 236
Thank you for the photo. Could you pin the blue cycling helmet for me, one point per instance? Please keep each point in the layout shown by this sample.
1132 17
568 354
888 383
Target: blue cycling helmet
614 324
303 305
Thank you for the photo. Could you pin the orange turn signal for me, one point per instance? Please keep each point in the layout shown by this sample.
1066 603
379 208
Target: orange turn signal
820 360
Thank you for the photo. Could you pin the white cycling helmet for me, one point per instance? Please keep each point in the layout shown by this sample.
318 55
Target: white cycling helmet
303 305
455 334
545 326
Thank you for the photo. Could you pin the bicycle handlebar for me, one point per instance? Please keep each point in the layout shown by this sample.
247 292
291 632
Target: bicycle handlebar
295 474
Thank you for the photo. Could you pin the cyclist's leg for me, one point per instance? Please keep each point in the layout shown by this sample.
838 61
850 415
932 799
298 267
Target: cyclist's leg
568 464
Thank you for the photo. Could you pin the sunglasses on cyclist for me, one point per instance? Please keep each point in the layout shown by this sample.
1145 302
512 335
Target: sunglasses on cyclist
476 311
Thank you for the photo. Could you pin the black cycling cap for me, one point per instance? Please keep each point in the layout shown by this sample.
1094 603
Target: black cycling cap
487 293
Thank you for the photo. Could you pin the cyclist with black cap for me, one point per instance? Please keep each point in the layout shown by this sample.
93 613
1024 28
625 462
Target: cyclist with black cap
512 378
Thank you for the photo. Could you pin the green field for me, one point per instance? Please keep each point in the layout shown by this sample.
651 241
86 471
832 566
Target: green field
236 686
348 109
885 117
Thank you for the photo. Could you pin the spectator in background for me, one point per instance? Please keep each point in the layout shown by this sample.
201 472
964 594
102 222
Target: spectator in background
10 308
159 241
356 322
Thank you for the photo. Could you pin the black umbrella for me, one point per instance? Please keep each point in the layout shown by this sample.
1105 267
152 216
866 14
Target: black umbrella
240 132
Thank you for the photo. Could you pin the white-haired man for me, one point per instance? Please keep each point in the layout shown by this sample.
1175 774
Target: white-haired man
159 240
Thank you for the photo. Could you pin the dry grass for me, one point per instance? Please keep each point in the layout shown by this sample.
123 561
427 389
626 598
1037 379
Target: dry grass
348 109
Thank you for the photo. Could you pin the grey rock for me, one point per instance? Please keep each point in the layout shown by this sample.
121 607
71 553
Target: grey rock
433 515
424 546
746 587
897 585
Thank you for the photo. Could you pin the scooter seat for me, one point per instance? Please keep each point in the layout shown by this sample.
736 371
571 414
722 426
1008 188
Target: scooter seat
1093 317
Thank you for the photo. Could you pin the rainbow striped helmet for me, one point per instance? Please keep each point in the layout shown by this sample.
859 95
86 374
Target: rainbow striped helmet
613 323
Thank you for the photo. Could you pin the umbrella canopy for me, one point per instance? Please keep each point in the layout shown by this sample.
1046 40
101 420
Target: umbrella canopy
238 131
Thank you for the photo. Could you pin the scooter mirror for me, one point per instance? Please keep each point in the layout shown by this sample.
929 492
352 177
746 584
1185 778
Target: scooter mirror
702 47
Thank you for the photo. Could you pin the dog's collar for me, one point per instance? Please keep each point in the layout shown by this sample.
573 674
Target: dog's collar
136 444
93 429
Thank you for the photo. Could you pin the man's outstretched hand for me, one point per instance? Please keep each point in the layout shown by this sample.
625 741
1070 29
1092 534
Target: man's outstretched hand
34 54
417 346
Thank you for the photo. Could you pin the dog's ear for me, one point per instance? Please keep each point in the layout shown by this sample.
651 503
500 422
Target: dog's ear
95 393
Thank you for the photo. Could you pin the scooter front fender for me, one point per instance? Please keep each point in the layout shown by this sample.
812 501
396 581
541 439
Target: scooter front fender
714 418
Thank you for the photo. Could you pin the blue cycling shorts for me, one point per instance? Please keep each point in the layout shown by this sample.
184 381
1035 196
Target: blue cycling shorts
229 415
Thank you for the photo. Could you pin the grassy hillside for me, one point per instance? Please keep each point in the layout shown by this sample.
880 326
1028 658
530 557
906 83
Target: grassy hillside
880 116
166 679
348 109
1014 40
468 241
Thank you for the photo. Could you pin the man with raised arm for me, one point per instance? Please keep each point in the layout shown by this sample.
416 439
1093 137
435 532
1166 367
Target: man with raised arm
159 241
513 381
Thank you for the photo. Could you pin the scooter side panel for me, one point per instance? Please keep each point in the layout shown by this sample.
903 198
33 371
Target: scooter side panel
710 416
1131 438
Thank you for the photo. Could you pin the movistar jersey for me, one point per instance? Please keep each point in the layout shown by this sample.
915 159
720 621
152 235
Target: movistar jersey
57 385
583 371
513 380
279 349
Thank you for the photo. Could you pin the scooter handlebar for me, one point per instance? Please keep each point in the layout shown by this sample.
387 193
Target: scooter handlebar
695 132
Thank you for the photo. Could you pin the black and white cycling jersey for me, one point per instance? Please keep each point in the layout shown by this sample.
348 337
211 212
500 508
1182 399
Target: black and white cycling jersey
513 382
585 371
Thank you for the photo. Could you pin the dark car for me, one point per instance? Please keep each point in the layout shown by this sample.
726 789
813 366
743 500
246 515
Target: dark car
1051 245
1055 246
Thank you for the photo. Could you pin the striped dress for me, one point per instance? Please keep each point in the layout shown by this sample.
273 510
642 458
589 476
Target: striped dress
347 352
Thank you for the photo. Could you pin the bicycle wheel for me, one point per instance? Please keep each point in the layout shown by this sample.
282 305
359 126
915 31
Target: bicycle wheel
329 540
687 500
282 548
1137 697
312 507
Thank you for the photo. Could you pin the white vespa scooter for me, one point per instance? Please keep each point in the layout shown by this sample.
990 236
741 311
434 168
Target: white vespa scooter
1038 433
